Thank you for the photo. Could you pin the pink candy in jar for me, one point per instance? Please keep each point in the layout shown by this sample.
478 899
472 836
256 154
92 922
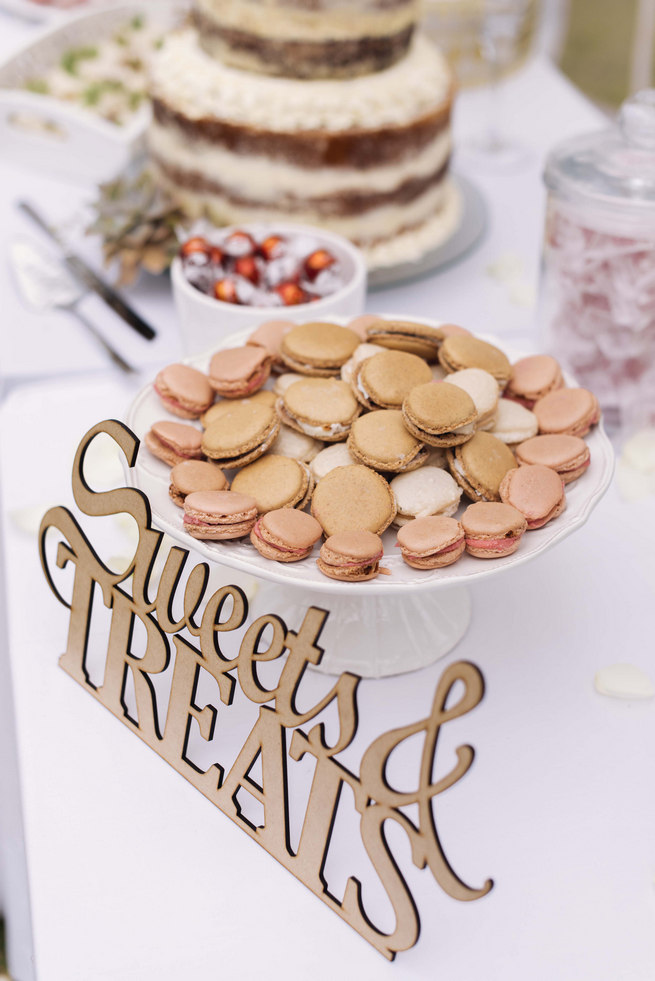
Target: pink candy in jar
598 291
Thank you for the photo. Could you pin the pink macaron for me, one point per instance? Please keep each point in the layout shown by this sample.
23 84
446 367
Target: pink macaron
195 475
492 530
532 378
174 442
184 390
269 336
351 556
431 542
285 534
237 372
569 456
218 515
536 491
567 411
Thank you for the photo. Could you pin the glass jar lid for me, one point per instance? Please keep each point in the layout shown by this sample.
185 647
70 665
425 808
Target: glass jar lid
615 166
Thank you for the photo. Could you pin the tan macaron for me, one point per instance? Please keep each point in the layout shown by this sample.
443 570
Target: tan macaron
275 482
386 379
318 349
323 408
440 414
285 535
536 491
568 455
174 442
479 466
405 335
263 397
431 542
195 475
351 556
351 498
461 351
567 411
381 440
532 378
241 434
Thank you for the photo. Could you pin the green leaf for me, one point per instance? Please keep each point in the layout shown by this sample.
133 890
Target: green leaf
38 85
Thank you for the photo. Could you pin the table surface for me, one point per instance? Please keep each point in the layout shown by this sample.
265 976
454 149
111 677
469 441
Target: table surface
115 868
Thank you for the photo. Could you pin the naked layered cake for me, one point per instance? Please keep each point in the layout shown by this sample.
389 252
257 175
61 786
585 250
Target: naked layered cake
309 111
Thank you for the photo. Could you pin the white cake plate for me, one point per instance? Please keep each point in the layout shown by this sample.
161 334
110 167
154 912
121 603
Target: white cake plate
392 624
457 245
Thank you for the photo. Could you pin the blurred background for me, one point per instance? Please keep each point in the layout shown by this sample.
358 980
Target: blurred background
605 47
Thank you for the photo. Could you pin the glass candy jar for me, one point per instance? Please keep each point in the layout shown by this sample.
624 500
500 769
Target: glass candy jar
597 303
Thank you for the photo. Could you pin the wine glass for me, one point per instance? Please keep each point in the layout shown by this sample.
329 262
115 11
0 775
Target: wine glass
485 40
504 26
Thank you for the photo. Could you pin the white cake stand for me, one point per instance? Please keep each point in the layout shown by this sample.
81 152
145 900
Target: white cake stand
389 625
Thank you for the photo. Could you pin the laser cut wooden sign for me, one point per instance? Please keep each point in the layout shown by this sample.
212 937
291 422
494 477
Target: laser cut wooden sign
192 646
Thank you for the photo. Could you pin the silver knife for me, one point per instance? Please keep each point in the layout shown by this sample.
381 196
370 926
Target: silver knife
86 275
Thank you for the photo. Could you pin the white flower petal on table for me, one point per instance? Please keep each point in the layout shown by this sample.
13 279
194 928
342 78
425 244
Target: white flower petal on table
28 520
633 484
639 451
623 681
508 266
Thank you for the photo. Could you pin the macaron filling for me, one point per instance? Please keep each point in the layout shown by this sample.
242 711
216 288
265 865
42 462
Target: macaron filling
436 551
367 568
493 544
366 396
326 430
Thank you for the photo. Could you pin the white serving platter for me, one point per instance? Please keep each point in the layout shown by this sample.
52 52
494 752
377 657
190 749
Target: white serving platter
393 624
152 476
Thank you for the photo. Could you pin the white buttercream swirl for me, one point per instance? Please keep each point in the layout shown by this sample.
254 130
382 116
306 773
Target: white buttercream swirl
199 86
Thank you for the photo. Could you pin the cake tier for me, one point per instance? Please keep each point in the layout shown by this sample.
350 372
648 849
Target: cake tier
364 157
306 38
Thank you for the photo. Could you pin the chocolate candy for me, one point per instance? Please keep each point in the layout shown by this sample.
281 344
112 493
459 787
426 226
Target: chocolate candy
278 271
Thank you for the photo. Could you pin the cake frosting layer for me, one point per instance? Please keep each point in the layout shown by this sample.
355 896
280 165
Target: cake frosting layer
272 172
300 39
193 86
379 221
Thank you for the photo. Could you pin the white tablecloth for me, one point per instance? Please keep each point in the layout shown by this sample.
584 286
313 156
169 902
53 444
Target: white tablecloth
115 868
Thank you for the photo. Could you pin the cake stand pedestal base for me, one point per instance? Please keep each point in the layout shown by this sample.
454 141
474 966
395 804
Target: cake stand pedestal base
376 636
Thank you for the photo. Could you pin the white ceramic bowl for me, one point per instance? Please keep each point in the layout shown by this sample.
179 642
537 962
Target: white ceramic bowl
205 321
64 139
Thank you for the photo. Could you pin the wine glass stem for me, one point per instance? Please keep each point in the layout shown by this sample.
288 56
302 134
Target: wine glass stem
494 138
